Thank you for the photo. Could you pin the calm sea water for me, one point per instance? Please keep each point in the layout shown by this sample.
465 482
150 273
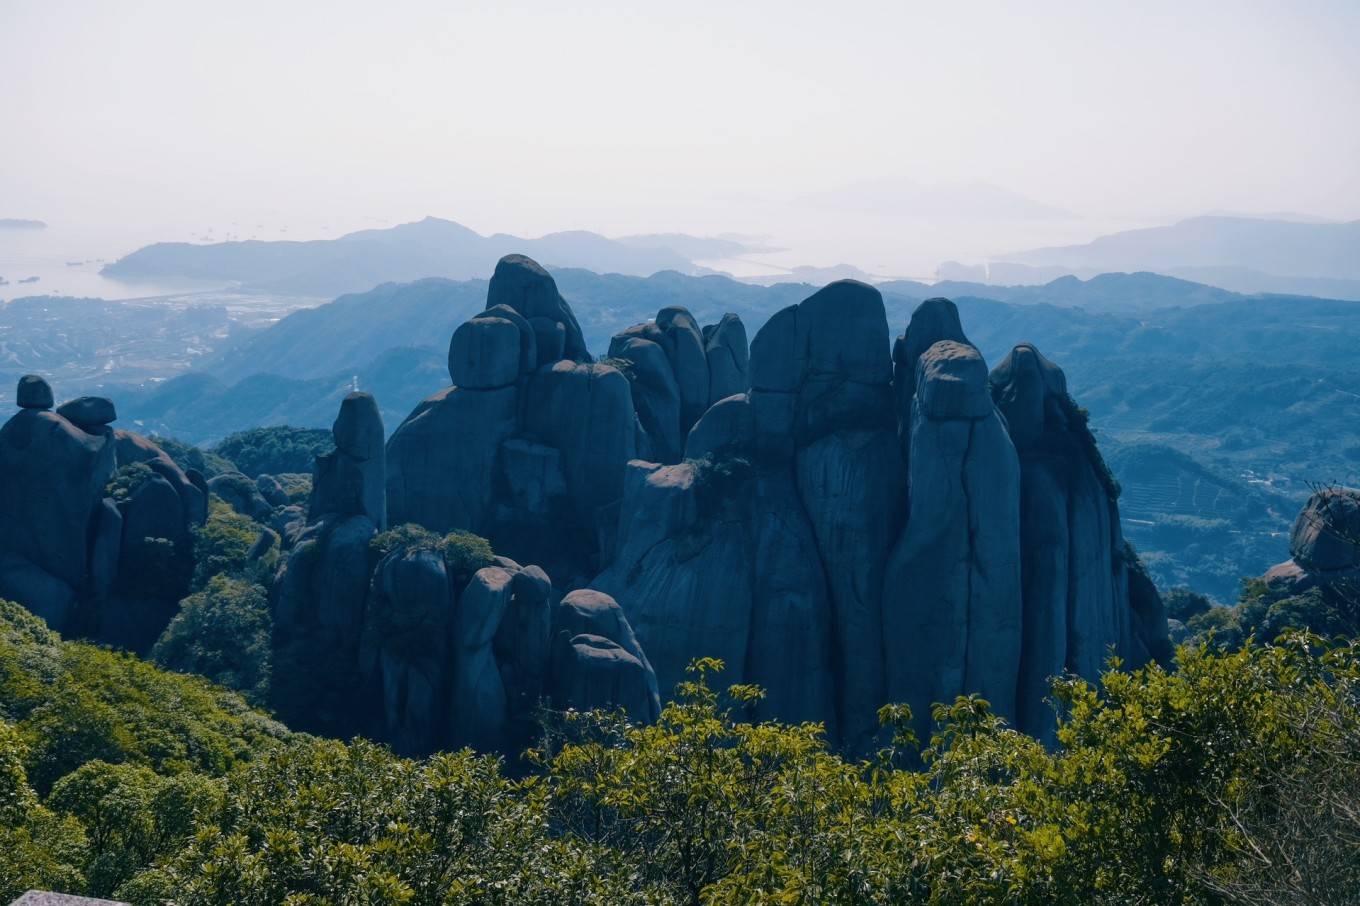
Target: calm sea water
67 262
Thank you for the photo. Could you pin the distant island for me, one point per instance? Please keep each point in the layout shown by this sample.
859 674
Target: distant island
357 262
16 223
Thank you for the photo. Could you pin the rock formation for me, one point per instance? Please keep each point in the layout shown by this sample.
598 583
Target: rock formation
1324 545
861 528
677 371
417 644
112 569
842 523
530 445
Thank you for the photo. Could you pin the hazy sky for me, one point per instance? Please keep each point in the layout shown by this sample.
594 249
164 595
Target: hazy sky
166 118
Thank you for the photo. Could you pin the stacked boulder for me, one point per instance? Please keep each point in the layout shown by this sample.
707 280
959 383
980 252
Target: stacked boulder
860 528
1324 545
89 564
450 660
319 593
678 370
530 445
421 645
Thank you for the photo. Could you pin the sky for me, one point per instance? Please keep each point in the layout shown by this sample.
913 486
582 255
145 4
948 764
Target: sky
841 129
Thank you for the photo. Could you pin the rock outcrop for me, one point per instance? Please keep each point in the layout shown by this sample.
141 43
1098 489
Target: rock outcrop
1324 545
403 638
111 569
530 445
860 528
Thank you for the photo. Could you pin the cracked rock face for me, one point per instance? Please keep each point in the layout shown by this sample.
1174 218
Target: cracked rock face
529 445
860 528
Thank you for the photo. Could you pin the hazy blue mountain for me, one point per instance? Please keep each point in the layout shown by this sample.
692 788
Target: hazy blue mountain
359 261
1275 247
1115 292
18 223
202 409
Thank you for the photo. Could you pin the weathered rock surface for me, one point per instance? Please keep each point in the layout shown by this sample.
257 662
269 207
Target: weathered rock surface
88 412
530 446
33 393
413 647
728 356
88 565
524 286
951 600
351 479
859 528
1324 544
1071 542
52 477
241 494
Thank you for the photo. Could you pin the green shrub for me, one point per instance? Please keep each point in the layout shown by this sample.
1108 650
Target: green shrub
223 633
221 544
73 703
127 480
464 553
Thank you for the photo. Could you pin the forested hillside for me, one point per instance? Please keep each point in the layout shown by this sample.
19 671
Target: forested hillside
117 779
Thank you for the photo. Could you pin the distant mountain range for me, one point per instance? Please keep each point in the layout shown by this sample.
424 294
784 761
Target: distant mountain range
18 223
428 248
1246 254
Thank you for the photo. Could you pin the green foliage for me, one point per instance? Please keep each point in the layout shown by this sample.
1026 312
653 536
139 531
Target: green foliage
222 543
260 451
464 553
1266 612
188 457
73 703
1184 604
297 485
325 822
132 817
223 633
407 536
1154 794
624 366
38 849
1169 787
127 480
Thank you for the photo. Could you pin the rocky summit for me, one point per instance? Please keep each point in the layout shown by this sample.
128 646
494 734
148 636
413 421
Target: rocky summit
843 520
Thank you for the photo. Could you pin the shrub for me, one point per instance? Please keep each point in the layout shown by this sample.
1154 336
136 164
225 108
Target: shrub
222 633
127 480
221 544
464 553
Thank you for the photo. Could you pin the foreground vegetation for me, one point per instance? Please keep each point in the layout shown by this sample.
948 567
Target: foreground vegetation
1233 779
